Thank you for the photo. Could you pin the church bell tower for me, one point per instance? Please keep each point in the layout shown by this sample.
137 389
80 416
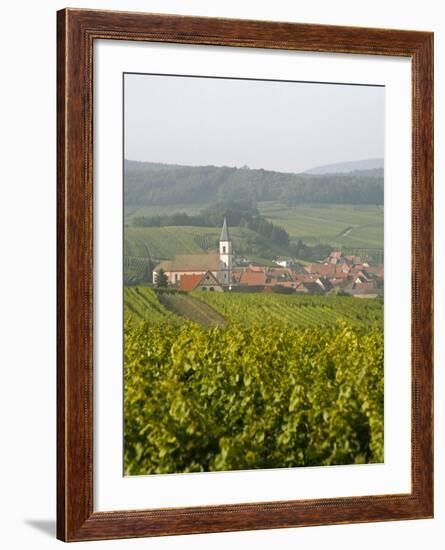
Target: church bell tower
225 256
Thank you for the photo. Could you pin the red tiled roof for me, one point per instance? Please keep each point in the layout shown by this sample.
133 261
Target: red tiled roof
329 270
253 278
277 271
189 282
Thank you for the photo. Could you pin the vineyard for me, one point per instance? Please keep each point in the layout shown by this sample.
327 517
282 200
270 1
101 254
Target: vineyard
143 303
244 397
241 381
301 311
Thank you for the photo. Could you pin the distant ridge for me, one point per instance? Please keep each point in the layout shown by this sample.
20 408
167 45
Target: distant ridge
347 167
149 184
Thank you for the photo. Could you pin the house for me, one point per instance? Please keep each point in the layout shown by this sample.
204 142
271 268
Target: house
190 282
253 278
335 257
309 288
207 282
280 274
284 262
218 264
328 270
325 284
363 289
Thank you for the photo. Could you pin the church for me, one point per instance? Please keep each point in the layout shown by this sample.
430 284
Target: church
220 264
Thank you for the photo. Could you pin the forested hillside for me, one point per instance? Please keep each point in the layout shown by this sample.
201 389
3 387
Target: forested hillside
163 184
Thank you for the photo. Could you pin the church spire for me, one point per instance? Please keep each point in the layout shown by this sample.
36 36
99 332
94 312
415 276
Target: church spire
224 232
225 256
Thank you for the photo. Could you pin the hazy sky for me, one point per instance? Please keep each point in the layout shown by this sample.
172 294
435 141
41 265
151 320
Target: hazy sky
285 126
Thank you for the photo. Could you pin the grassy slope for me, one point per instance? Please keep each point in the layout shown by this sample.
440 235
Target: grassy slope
327 223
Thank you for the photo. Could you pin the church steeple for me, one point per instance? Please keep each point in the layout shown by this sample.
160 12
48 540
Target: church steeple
224 231
225 255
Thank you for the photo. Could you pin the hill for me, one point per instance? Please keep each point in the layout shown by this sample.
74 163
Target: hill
153 184
364 167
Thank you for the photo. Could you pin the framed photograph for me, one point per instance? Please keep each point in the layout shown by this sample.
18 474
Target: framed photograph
245 275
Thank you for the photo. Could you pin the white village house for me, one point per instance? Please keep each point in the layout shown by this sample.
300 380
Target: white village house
220 264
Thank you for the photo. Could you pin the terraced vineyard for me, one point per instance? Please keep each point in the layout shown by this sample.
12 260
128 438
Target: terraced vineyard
210 309
146 304
301 311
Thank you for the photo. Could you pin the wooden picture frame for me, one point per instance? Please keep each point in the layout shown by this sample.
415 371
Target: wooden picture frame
76 32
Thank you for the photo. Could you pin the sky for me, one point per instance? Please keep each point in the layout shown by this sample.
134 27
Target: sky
275 125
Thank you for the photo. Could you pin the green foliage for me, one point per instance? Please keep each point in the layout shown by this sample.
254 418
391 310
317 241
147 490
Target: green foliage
161 280
244 397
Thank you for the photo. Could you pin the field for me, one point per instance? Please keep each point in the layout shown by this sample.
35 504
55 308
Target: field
209 309
353 226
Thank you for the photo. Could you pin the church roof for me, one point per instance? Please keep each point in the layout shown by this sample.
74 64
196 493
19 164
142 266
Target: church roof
224 232
191 262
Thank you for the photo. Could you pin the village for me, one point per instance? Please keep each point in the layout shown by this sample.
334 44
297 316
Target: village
337 274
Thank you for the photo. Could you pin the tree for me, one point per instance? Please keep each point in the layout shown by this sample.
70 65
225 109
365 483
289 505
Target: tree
161 279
